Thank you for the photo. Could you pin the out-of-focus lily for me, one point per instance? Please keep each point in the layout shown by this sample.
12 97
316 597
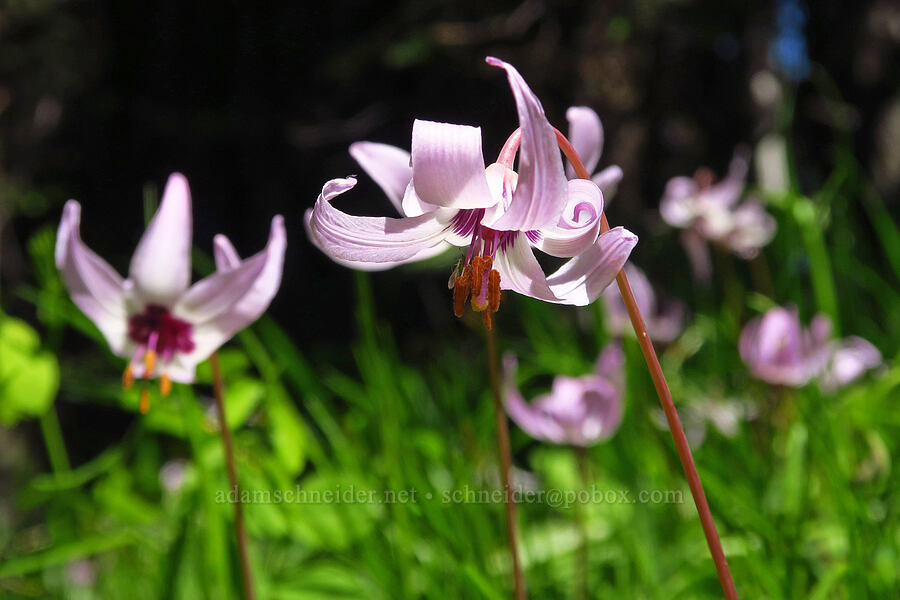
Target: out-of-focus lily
778 350
579 411
664 321
499 214
586 136
155 318
709 210
850 359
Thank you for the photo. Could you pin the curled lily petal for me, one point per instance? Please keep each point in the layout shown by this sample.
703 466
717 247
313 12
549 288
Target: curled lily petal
161 265
752 228
582 279
677 206
93 285
528 418
520 271
384 266
245 307
412 205
216 293
448 166
727 192
579 411
851 358
540 194
663 325
608 181
579 224
225 254
609 364
371 239
777 349
388 166
586 135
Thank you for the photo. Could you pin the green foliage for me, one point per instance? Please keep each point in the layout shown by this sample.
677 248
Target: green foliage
29 376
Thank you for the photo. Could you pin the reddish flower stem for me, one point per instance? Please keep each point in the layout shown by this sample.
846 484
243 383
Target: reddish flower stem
665 398
505 464
240 532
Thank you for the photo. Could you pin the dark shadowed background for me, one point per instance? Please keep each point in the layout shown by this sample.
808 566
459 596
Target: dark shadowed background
257 102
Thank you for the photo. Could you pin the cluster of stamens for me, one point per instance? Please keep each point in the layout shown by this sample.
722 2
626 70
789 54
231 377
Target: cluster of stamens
156 332
482 282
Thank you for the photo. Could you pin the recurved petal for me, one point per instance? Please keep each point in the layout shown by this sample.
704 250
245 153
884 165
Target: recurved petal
371 239
161 265
578 226
610 363
608 181
448 166
225 254
727 192
678 206
586 136
581 280
851 358
528 417
246 307
520 271
93 285
540 195
383 266
388 166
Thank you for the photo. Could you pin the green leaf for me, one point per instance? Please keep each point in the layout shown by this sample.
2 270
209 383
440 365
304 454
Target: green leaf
29 376
287 430
241 398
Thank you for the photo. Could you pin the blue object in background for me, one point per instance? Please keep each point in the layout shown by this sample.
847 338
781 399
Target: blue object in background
789 53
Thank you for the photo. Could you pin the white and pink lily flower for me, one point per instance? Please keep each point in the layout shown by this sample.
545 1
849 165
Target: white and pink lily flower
579 411
163 325
710 211
664 321
586 136
778 350
850 359
448 197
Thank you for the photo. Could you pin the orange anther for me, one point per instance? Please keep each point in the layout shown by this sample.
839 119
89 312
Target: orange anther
149 363
128 378
478 268
145 401
461 288
165 385
494 290
487 319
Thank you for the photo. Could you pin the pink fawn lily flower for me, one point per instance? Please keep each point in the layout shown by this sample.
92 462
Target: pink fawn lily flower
850 359
664 322
451 198
709 210
580 411
778 350
586 136
153 318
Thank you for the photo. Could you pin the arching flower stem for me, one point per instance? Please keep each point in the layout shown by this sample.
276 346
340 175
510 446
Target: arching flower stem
665 398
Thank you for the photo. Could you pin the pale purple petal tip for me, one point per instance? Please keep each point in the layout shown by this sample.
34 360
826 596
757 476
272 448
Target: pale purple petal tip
540 194
161 265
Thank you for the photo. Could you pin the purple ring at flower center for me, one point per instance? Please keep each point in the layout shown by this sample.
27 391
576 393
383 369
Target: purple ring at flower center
485 241
157 330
